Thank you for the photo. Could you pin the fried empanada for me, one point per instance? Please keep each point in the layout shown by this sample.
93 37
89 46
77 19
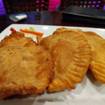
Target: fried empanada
15 38
97 65
71 56
25 69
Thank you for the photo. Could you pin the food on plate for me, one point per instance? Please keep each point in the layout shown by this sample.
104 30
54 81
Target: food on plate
97 65
19 38
71 55
25 67
54 63
15 38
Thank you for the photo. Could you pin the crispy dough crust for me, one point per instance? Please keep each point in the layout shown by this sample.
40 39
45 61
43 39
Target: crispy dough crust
71 54
97 65
25 68
17 39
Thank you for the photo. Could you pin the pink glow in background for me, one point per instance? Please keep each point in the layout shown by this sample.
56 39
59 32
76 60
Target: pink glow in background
53 4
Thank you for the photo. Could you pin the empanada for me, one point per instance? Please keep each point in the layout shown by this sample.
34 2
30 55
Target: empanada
71 56
97 65
25 68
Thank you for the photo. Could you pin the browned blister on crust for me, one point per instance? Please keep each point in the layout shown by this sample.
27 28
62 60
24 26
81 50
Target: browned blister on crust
97 65
25 68
71 54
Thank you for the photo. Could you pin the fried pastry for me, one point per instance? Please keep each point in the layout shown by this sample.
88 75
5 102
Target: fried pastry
71 55
97 65
15 38
24 68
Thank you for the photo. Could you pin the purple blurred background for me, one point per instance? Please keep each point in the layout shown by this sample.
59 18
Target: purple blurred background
54 4
2 9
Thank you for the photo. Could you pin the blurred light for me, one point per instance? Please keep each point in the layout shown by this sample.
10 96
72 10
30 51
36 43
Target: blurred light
2 9
90 2
104 7
97 5
94 2
54 5
99 1
85 2
88 6
84 6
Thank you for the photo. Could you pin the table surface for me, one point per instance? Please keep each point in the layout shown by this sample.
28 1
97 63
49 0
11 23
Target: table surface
49 18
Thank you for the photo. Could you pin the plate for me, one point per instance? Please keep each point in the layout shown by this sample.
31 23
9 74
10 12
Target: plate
85 92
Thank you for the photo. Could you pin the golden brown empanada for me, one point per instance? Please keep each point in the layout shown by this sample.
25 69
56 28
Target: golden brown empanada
97 65
71 55
25 68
